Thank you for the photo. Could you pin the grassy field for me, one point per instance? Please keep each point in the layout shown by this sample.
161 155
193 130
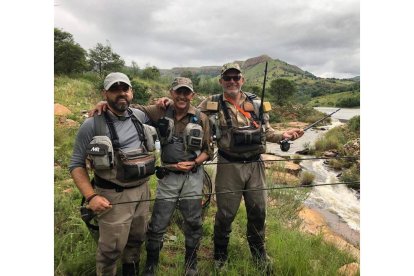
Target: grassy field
293 252
332 99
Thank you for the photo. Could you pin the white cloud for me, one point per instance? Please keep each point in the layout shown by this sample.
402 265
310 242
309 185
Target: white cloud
320 36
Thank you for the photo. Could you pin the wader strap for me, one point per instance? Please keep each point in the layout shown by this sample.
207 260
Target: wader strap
112 131
138 125
99 124
196 118
114 136
225 111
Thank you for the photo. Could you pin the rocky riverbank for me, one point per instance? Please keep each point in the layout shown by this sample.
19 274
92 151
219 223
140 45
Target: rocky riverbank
314 223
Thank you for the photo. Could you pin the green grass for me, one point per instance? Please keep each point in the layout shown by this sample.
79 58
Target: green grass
336 139
332 99
306 178
76 94
294 253
295 112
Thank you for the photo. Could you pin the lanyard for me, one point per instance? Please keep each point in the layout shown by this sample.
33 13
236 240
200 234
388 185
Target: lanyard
241 110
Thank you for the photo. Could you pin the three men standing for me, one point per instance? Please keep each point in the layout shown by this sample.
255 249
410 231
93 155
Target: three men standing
241 133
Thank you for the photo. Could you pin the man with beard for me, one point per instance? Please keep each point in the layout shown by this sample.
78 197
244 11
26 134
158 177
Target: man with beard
185 145
107 141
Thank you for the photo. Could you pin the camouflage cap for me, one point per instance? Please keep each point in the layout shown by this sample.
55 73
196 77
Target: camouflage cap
229 66
182 82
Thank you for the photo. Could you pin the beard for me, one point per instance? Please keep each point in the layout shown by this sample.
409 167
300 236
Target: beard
119 106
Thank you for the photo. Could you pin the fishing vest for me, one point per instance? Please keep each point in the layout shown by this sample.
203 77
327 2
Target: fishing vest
177 147
126 168
237 142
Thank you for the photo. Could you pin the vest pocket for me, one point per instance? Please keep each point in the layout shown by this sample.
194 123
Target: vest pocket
134 165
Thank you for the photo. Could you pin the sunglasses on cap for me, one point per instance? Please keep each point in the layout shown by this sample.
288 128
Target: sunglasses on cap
116 87
228 78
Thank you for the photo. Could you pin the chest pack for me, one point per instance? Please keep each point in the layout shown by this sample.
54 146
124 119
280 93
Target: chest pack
121 166
177 145
249 138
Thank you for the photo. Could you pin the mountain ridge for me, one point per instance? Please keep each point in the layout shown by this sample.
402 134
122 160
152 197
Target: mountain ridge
246 65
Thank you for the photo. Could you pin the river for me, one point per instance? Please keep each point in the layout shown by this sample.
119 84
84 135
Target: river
339 205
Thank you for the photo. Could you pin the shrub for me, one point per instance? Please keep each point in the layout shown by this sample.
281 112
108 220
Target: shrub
141 94
333 139
306 178
351 175
354 124
348 102
296 156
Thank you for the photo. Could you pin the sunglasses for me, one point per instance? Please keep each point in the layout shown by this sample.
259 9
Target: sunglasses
185 92
117 87
228 78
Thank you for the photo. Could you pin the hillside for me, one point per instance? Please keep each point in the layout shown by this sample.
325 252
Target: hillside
342 99
307 84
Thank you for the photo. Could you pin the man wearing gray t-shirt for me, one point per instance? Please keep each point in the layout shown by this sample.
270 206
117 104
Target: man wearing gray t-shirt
115 155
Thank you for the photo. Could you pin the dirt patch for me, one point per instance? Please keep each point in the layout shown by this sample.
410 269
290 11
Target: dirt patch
61 110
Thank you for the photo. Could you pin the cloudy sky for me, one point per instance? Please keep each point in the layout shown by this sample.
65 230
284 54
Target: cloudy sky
320 36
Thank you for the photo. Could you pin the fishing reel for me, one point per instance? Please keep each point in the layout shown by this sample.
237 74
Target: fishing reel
161 172
284 145
86 214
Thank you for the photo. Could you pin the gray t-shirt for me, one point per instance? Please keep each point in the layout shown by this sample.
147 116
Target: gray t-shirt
127 133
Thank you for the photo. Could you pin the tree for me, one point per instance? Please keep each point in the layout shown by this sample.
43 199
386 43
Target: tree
210 86
253 88
151 73
140 91
70 57
103 60
135 68
195 78
282 90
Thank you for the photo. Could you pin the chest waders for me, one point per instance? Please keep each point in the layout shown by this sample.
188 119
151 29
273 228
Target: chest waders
238 143
100 123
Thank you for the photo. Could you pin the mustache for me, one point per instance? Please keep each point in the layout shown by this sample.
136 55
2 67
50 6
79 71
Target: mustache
121 97
182 99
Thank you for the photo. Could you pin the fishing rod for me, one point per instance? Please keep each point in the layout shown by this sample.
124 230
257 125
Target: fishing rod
162 171
285 145
281 160
240 191
87 214
263 92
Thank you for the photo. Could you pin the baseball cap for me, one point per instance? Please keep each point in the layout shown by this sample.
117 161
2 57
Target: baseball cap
182 82
112 78
229 66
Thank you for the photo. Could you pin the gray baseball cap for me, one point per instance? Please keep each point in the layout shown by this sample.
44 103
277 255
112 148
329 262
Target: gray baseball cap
112 78
182 82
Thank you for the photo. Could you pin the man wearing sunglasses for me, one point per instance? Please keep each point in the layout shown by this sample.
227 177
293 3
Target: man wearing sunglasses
184 133
103 140
241 137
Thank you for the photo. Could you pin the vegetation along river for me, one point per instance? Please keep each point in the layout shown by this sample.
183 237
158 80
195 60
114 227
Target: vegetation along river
338 204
